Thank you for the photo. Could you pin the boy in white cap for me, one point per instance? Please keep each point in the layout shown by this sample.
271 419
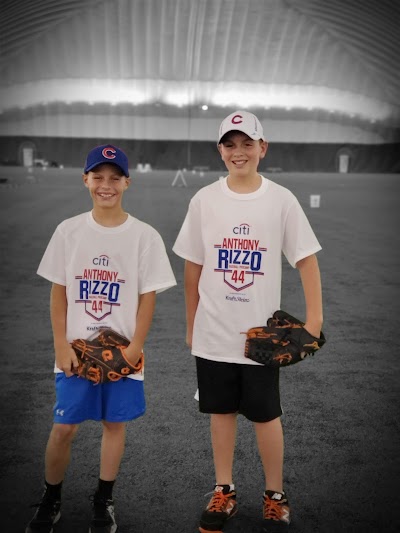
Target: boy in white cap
232 239
105 267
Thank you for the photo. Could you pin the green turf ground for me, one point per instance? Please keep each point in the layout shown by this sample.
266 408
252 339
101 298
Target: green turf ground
341 408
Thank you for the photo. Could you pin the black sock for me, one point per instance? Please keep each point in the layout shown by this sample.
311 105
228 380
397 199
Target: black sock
53 491
104 489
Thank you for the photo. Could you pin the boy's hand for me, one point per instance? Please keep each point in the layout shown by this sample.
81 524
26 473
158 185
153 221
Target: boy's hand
189 337
313 328
108 357
133 353
284 341
66 359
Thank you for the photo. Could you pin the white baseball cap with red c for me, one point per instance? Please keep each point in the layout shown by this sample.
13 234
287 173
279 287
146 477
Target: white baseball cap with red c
242 121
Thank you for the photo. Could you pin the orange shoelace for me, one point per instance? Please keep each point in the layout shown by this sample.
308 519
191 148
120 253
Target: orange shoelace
218 502
273 509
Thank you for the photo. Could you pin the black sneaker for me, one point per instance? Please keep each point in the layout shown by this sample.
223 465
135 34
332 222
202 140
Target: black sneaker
103 519
47 514
276 512
220 508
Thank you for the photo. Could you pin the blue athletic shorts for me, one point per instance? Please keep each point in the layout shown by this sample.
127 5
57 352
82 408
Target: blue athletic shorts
78 399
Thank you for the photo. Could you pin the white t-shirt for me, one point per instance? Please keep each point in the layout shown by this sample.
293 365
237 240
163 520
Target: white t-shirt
104 271
239 240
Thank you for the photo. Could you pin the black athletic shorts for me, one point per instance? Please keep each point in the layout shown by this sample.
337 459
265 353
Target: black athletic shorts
251 390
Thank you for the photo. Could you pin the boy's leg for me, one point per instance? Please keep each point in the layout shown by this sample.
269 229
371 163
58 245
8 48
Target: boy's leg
58 452
219 395
122 401
77 400
223 438
276 511
261 404
222 505
57 457
270 445
112 449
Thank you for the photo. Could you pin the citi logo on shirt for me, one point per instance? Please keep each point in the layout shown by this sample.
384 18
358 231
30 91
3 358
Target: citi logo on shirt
242 229
102 260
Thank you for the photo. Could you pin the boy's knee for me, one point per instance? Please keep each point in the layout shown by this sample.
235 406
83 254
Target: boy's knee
64 432
114 427
224 416
269 424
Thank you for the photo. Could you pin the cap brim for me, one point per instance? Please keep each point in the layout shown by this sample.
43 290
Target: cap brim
254 137
102 162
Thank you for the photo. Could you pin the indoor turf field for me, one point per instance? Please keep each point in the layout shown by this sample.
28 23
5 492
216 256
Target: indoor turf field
341 407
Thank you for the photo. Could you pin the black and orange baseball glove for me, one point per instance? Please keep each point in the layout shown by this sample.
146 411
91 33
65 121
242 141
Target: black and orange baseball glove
282 342
103 359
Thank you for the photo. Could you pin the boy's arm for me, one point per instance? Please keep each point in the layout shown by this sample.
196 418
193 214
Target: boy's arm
144 317
65 355
311 281
192 277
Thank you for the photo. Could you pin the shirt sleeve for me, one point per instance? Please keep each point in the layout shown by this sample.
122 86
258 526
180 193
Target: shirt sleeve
299 240
155 271
52 265
189 243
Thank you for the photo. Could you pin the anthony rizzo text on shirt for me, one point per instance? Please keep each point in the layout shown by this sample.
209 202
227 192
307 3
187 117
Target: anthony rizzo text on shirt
99 289
240 259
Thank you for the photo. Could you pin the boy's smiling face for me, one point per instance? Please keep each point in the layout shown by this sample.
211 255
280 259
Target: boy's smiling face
106 184
241 154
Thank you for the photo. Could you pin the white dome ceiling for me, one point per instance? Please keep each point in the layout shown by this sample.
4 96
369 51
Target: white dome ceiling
292 58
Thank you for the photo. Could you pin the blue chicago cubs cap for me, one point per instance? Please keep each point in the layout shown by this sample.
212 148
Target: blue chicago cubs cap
107 153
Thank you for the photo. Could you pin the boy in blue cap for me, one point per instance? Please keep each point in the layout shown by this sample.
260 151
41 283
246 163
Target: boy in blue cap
105 267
